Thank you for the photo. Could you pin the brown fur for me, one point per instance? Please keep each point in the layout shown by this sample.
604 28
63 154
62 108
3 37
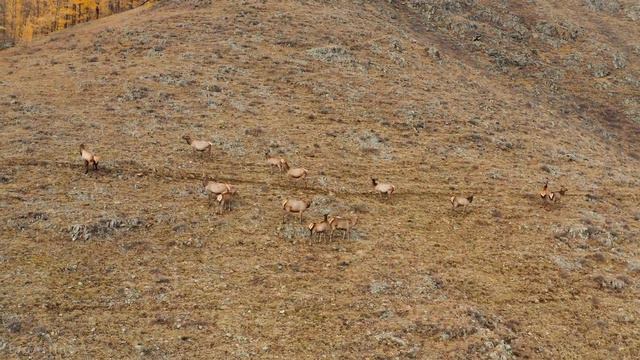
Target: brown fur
341 223
319 228
89 158
298 174
545 194
383 188
276 162
224 201
459 201
555 196
214 189
198 145
295 206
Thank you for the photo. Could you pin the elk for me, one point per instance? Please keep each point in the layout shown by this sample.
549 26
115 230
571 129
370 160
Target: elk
383 188
224 201
295 206
276 162
557 195
298 174
214 188
545 193
89 158
319 228
460 201
198 145
341 223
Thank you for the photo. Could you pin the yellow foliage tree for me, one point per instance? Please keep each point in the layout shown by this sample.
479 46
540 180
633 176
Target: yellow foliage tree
22 20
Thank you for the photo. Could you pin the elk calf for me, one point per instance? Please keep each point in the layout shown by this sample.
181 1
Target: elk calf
545 193
319 228
224 201
557 195
276 162
460 201
341 223
89 158
214 189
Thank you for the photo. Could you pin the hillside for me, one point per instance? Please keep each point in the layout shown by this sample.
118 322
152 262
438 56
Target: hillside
441 98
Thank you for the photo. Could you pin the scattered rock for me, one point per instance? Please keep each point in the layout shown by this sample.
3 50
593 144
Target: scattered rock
293 230
504 145
331 54
603 5
565 264
611 283
14 326
619 61
434 53
550 169
391 339
599 70
633 265
481 319
134 93
633 12
495 174
102 228
378 287
429 284
504 59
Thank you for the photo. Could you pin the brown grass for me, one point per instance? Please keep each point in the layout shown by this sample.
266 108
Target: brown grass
160 274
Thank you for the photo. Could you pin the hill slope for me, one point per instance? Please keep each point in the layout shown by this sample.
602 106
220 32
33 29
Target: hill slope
439 97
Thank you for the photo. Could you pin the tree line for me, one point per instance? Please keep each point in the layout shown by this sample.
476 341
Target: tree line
23 20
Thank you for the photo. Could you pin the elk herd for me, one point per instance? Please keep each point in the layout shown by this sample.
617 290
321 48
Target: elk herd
224 193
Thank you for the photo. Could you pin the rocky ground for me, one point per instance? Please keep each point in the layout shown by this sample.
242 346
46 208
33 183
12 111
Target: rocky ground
439 97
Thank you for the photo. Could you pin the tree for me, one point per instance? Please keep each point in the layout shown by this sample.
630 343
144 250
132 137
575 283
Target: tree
25 19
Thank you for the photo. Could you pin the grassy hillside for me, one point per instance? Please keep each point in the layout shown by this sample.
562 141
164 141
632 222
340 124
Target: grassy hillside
440 98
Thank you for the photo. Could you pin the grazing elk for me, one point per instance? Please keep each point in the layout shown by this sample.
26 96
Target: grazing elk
276 163
214 188
89 158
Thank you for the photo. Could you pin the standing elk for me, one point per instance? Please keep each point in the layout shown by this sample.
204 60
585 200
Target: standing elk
276 163
319 228
383 188
461 201
295 206
341 223
298 174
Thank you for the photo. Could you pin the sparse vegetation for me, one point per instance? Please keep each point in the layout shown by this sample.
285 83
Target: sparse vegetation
439 97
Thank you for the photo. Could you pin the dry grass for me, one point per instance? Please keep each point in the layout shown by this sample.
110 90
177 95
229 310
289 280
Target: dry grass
130 261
